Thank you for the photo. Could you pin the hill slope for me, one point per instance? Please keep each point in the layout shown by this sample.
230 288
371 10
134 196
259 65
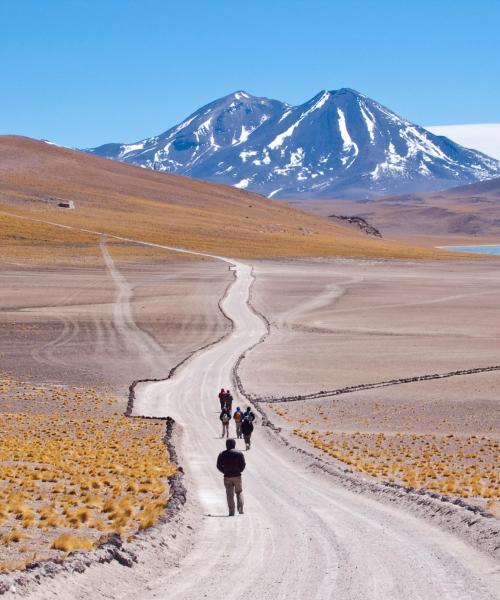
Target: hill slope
463 214
137 203
337 144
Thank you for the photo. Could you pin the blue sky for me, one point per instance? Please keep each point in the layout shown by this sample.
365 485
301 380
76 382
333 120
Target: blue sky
85 72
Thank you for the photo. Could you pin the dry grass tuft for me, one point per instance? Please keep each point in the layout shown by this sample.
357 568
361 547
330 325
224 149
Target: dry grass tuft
64 471
13 537
69 543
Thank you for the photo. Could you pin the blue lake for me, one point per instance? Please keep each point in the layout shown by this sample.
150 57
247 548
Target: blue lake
493 249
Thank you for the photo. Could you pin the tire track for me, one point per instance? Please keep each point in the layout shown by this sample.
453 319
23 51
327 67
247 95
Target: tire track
135 340
47 353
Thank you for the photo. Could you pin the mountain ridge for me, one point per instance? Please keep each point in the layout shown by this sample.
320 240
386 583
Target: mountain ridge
339 143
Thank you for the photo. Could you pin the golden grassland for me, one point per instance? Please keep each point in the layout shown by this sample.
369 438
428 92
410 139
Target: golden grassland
466 466
35 243
460 466
32 243
73 471
131 202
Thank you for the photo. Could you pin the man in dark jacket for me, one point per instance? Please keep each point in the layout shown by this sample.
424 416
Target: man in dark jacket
231 463
247 429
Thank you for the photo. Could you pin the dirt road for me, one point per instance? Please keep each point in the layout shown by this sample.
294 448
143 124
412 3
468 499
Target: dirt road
301 536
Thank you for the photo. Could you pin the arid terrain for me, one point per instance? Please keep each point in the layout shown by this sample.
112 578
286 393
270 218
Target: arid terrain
350 323
234 261
291 501
73 469
137 203
62 325
347 322
85 311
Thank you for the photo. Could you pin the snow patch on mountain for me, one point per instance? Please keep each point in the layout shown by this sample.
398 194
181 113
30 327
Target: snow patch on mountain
348 147
279 139
131 148
242 184
369 120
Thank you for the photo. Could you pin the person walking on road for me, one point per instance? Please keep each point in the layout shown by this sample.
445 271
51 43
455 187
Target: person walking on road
229 400
247 430
238 418
222 398
231 463
248 414
225 417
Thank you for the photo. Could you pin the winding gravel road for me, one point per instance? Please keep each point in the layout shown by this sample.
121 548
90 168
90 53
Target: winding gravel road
301 536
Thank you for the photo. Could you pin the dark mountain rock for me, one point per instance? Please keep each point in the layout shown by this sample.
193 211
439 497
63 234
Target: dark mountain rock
359 222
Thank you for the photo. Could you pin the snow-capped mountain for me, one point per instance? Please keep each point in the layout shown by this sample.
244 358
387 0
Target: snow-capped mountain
338 144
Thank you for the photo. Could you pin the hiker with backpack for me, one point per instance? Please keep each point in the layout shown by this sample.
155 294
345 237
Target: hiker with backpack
225 417
247 428
248 414
231 463
238 418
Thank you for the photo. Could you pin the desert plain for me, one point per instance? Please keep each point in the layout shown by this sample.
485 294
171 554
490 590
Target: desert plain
73 339
333 324
346 323
95 299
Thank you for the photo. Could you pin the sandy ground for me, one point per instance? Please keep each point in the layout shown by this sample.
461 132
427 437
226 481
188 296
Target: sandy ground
342 323
303 535
107 326
348 323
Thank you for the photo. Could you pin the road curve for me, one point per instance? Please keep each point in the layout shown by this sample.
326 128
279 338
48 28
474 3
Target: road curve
301 536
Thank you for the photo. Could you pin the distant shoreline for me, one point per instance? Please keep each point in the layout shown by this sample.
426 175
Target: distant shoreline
478 249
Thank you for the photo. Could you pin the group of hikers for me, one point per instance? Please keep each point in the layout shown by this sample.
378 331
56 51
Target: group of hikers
243 421
231 462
